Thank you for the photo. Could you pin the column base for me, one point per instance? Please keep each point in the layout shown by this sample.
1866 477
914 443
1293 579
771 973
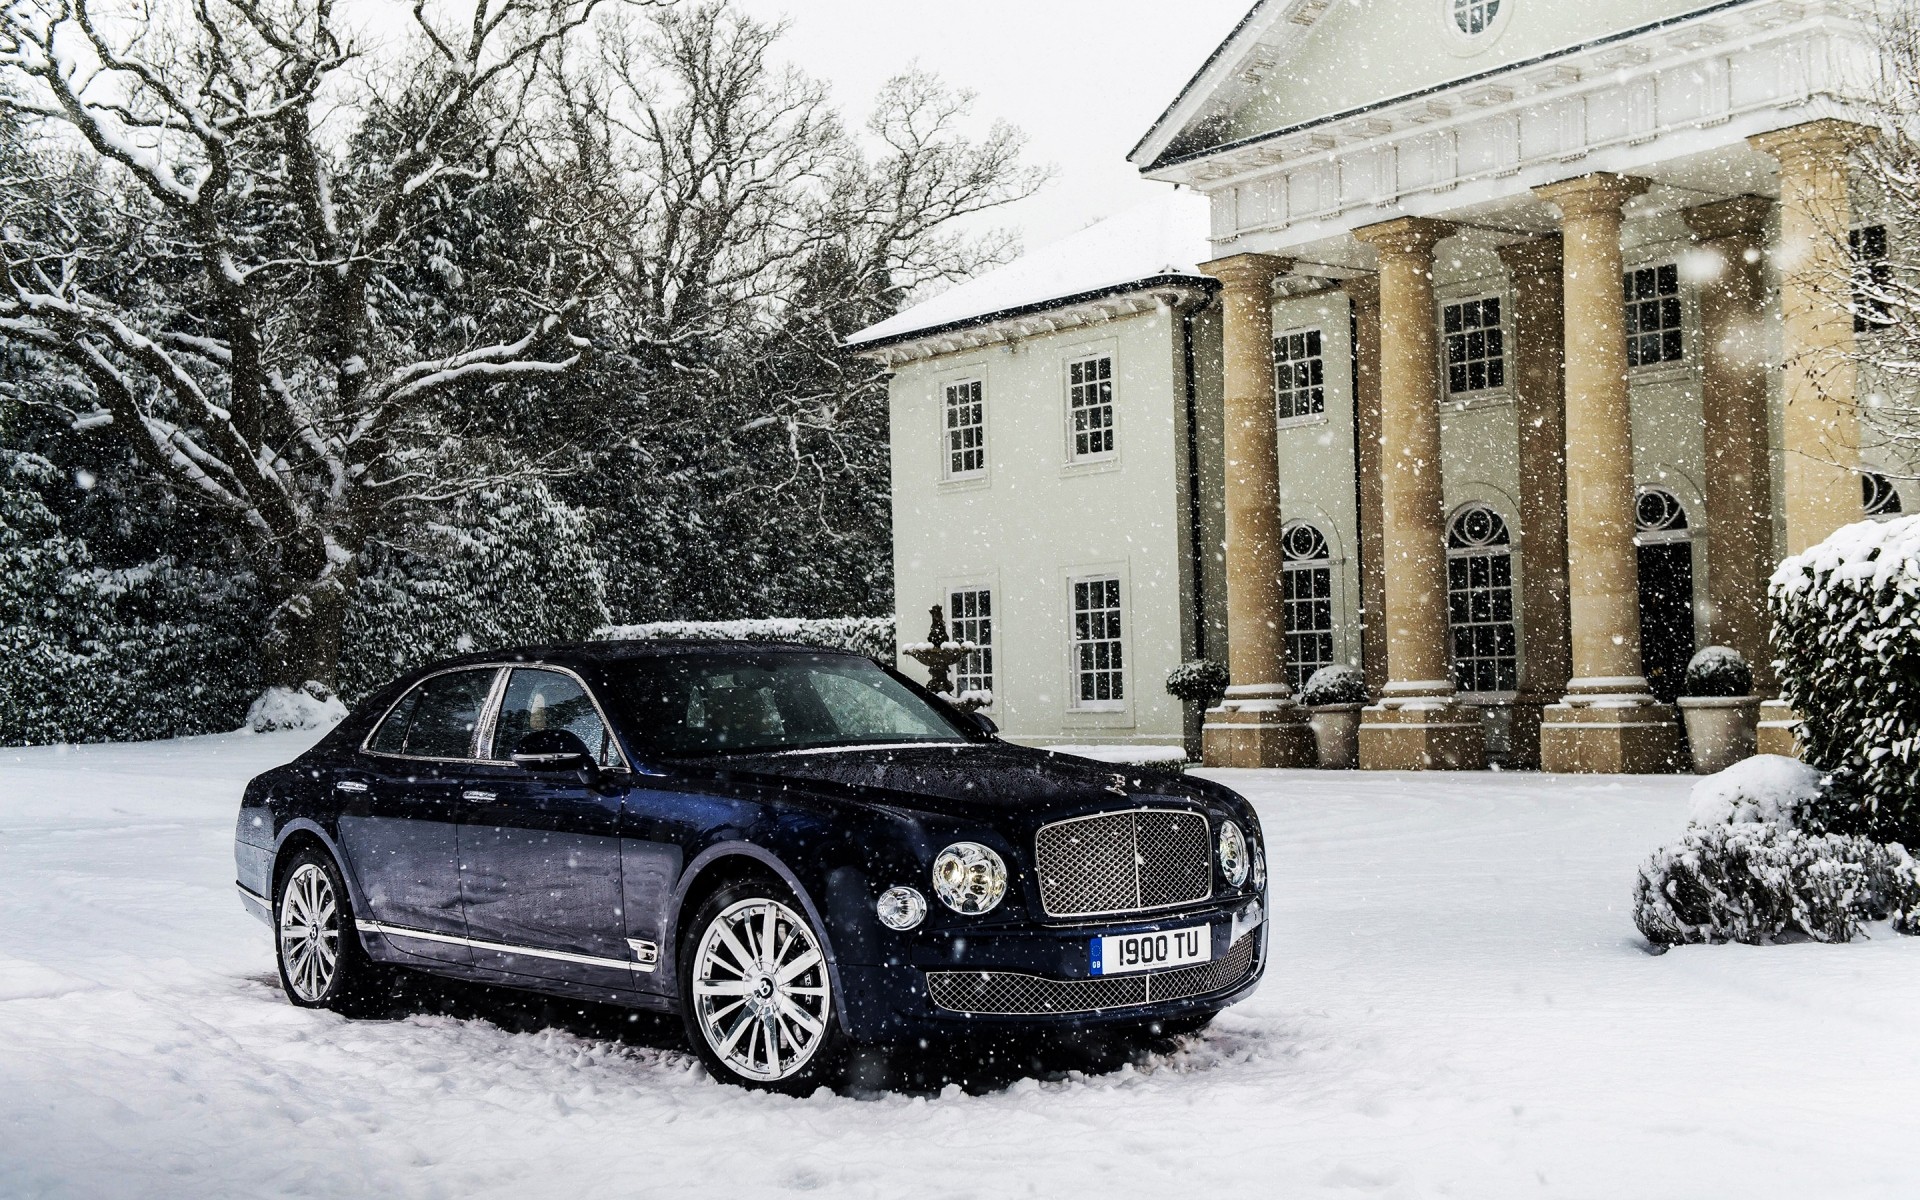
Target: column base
1779 729
1523 730
1273 735
1625 737
1422 735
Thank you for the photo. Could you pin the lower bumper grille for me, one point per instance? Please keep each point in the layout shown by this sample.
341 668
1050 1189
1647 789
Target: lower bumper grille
1009 993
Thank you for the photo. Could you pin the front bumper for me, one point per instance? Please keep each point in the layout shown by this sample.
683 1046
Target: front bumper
1041 977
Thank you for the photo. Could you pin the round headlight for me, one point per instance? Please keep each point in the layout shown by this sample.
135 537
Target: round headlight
1233 853
969 878
901 908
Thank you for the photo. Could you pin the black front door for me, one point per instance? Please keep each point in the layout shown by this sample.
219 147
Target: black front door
1666 615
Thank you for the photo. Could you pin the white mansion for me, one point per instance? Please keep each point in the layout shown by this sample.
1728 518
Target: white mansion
1466 352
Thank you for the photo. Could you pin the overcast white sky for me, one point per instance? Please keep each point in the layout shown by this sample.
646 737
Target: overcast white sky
1083 78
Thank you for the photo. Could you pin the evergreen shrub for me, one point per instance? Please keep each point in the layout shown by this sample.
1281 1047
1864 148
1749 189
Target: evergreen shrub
1335 684
1199 681
1719 672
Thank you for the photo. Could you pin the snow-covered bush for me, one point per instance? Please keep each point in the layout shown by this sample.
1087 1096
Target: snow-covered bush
1767 788
1199 681
1335 684
1719 671
310 706
871 636
1846 629
1759 882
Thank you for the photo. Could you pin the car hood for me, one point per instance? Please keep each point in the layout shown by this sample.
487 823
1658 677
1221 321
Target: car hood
970 780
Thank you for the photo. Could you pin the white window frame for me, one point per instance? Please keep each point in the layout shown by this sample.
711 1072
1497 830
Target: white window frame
1688 334
1112 405
1118 642
1293 571
1314 416
947 429
1493 391
1490 551
969 671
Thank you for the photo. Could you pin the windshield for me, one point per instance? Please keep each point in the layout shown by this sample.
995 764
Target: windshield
732 702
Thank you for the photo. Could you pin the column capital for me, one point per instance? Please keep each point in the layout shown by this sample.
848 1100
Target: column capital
1739 217
1534 257
1248 271
1828 139
1585 195
1411 236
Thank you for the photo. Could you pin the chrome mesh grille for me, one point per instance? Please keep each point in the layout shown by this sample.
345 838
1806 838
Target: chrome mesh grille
1012 994
1123 862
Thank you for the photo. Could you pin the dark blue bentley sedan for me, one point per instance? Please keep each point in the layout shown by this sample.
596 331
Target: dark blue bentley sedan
797 850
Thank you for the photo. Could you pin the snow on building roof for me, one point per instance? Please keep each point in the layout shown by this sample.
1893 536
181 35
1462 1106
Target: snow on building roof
1165 237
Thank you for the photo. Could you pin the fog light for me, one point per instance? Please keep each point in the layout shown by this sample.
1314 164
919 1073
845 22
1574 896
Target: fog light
969 878
1233 854
901 908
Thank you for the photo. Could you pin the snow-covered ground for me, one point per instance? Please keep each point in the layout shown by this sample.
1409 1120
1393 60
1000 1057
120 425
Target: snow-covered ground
1460 1006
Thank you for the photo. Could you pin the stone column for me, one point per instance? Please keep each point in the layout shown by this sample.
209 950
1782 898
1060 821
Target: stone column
1364 294
1820 431
1607 721
1260 724
1416 724
1539 409
1739 492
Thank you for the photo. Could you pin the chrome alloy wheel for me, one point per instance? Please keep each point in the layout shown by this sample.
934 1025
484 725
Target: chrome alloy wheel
761 990
309 932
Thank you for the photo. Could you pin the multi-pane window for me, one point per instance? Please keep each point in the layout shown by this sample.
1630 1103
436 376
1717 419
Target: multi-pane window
1486 654
1090 406
1299 374
1476 347
1653 316
1306 578
1872 274
1097 669
966 429
1473 17
970 616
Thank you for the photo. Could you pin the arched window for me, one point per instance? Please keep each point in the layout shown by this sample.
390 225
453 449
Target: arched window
1306 578
1658 517
1877 493
1474 17
1664 560
1486 647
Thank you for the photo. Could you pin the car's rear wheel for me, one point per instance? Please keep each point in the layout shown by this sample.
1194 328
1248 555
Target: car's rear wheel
321 962
755 990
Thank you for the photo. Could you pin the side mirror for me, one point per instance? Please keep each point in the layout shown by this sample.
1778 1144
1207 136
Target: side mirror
986 724
553 750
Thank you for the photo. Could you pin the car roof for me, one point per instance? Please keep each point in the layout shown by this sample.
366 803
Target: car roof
601 653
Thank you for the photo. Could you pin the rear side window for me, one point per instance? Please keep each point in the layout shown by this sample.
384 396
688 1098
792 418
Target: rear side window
537 700
438 718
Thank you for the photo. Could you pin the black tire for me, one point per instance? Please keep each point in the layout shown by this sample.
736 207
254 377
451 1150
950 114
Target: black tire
353 980
717 1026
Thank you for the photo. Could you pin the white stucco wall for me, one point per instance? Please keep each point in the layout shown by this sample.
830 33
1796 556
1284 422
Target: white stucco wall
1035 521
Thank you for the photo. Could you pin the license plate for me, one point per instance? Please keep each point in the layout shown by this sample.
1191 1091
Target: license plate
1123 953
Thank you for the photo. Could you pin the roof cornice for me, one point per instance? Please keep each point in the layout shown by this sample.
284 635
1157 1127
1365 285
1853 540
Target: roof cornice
1041 318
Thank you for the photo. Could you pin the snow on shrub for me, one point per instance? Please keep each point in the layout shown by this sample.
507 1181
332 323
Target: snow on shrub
871 636
1335 684
1758 883
310 706
1846 628
1719 671
1200 681
1767 788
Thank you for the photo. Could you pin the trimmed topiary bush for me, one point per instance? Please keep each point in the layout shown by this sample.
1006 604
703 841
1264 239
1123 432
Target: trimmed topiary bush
1719 672
1199 681
1336 684
1846 628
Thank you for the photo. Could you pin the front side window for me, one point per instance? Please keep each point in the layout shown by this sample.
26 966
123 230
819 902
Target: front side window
1653 316
1090 405
1486 654
970 616
1872 276
438 718
966 429
1476 347
700 703
1098 672
1299 375
1307 587
537 700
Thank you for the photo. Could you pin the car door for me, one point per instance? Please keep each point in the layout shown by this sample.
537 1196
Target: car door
401 812
540 850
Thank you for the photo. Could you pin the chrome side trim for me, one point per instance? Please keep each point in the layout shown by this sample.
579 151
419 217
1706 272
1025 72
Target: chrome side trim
247 893
451 939
646 955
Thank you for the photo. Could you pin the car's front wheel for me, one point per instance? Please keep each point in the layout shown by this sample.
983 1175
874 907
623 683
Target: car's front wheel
321 962
755 990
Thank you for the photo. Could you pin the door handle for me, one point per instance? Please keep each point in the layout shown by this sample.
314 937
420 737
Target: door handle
477 796
349 785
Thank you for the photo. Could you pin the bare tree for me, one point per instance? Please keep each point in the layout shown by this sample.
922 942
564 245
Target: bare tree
227 250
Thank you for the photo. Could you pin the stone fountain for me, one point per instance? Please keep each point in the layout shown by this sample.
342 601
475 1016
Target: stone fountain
939 654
